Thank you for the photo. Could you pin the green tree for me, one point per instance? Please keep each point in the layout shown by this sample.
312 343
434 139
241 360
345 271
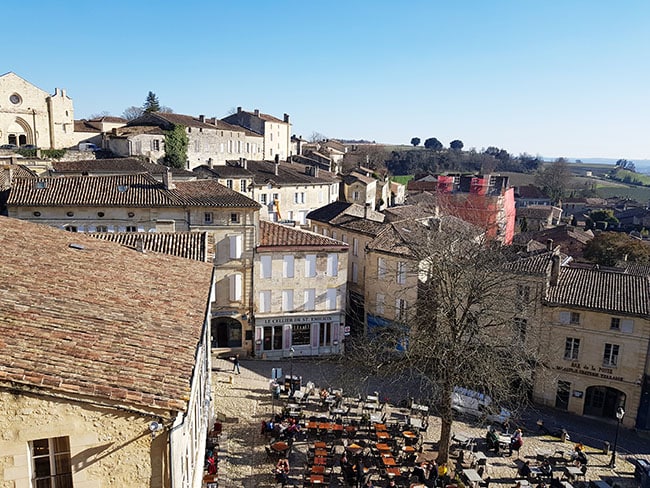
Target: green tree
415 141
151 104
433 143
553 179
601 219
456 145
608 248
176 142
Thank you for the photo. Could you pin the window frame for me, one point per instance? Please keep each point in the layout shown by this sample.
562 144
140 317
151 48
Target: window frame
572 348
610 358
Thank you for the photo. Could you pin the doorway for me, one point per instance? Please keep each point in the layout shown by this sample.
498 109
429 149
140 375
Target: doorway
602 401
226 332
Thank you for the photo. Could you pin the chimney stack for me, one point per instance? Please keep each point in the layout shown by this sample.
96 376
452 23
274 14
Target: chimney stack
167 180
286 118
275 168
366 207
202 118
238 109
555 270
549 244
210 163
257 112
139 245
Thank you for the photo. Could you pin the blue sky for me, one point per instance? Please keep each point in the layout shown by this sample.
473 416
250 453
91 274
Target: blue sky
548 77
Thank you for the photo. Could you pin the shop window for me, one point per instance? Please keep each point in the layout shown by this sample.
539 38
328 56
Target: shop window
300 334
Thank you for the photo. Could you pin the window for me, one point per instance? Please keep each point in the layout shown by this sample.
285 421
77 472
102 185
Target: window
575 318
615 323
400 309
197 145
263 198
379 304
381 268
235 287
334 234
234 218
265 271
235 247
51 462
102 228
310 299
155 145
229 184
242 185
71 228
310 265
571 348
131 228
287 301
330 299
355 246
325 333
300 334
332 265
207 218
344 238
610 357
265 301
299 197
355 273
355 196
287 266
523 296
273 338
401 272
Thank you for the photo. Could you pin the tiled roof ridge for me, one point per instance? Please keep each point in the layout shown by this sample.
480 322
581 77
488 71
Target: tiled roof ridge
274 234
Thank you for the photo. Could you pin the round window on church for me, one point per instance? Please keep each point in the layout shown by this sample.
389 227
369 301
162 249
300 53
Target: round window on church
15 99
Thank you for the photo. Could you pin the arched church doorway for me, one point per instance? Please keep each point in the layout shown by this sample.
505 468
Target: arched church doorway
226 332
602 401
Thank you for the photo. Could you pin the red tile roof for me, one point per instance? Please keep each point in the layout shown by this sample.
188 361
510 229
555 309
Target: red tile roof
277 235
97 320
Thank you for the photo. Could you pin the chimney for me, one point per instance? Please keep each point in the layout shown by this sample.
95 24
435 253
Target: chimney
277 159
238 109
139 245
549 244
555 270
257 112
167 180
202 118
244 163
286 118
365 210
275 168
210 163
114 131
316 171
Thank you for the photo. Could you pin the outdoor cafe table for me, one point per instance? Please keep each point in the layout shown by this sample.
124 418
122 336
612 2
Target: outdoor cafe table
416 422
572 472
317 479
380 426
392 471
382 446
388 460
407 434
280 446
504 440
320 445
318 469
320 452
322 460
383 435
408 449
354 448
472 476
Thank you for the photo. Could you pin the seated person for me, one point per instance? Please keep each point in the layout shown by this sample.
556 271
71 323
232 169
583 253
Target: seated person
492 440
525 471
546 468
282 471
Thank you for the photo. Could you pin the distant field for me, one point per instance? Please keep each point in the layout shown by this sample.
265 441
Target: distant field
402 179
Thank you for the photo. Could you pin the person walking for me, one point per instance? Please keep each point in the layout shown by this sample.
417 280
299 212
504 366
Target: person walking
235 365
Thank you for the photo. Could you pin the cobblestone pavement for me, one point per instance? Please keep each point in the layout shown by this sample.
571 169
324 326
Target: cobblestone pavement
244 401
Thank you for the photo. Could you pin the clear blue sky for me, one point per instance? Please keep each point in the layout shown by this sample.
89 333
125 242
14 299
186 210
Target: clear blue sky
549 77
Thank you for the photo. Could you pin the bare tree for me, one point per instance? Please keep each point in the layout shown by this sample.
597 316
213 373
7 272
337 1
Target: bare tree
466 328
132 112
316 137
99 115
554 179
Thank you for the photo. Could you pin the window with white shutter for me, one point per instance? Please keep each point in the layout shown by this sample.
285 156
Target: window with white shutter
236 247
310 265
265 301
235 287
287 266
287 301
332 264
310 299
330 299
265 271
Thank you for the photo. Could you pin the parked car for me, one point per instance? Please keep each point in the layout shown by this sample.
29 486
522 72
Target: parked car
478 405
8 146
88 146
28 146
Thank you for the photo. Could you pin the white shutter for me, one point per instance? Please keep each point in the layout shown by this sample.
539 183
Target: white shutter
381 268
140 228
565 317
235 287
287 300
265 270
310 265
265 301
379 305
235 247
287 267
627 326
310 299
91 228
332 264
331 299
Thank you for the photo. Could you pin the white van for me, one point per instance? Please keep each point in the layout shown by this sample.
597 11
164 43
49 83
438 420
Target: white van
88 146
474 404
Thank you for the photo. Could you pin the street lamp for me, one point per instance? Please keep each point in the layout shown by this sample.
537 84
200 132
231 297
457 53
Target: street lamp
619 418
291 351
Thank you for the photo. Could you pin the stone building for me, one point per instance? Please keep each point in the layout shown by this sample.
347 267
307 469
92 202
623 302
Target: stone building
89 395
300 293
29 115
276 132
139 203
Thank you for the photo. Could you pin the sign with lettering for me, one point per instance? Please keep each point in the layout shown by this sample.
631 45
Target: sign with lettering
299 319
590 370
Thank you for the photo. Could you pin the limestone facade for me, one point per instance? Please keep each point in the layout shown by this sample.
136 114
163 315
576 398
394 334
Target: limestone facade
29 115
276 132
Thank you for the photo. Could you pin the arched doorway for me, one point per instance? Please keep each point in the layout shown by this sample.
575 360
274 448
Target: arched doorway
602 401
226 332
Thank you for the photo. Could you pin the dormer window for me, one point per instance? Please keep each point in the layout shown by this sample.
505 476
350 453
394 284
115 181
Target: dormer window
122 188
41 184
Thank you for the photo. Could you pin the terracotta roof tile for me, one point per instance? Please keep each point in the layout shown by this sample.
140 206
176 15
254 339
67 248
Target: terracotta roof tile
274 235
74 322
